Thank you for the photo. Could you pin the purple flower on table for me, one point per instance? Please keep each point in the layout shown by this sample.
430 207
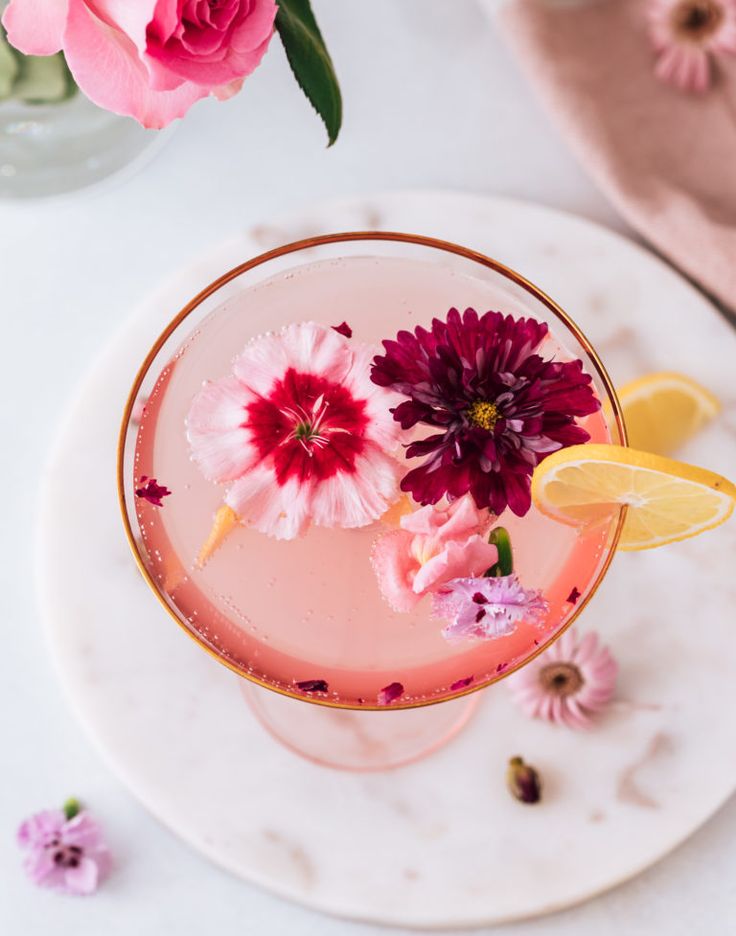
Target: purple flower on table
498 406
66 854
486 607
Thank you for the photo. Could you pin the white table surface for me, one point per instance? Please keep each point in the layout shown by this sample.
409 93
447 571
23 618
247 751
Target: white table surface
432 100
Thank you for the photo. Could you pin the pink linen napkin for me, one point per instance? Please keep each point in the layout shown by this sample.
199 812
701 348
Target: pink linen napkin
665 158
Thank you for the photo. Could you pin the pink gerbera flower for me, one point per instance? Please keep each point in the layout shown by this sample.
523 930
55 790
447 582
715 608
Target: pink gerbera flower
496 405
572 681
67 854
300 431
687 34
486 607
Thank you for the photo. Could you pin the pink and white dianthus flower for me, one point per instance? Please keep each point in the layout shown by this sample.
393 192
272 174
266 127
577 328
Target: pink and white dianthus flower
433 546
300 432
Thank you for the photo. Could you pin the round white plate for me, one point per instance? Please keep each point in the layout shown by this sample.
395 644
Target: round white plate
439 843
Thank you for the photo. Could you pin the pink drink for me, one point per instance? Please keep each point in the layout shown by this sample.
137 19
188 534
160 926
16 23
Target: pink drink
310 608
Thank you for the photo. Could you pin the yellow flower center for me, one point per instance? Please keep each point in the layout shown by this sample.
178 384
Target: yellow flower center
483 414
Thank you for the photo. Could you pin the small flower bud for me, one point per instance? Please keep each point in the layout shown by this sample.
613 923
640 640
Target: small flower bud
523 781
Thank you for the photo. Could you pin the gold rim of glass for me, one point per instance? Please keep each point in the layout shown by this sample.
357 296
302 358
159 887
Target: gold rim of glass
349 237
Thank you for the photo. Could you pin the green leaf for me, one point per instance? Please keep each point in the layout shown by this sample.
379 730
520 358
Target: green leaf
310 62
500 538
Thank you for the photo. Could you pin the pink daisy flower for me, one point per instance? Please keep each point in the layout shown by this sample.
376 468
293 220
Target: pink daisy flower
486 607
300 431
573 681
68 855
686 34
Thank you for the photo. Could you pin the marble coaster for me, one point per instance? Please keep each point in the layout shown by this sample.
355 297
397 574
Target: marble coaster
439 843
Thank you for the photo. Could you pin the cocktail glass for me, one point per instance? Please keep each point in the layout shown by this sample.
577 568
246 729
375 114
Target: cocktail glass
305 618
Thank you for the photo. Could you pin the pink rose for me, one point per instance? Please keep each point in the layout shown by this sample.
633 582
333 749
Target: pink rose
148 59
433 546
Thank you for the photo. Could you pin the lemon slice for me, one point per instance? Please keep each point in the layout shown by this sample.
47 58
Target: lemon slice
662 411
667 500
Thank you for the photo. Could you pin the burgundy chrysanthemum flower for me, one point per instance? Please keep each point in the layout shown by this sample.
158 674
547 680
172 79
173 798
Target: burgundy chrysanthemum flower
498 405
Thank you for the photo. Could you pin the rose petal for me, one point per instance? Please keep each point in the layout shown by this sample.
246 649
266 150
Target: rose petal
394 567
572 598
36 27
461 683
343 329
106 66
390 693
312 685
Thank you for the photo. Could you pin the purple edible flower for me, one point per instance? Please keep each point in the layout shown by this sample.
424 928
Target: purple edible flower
66 854
486 607
572 598
497 406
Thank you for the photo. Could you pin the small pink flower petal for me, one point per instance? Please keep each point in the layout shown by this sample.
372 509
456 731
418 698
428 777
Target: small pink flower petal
151 491
83 879
220 443
36 27
390 693
394 568
457 560
573 597
461 683
382 428
281 511
312 685
355 499
343 329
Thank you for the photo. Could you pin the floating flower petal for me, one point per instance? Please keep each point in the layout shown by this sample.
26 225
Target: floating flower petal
343 329
151 491
485 608
390 693
312 685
